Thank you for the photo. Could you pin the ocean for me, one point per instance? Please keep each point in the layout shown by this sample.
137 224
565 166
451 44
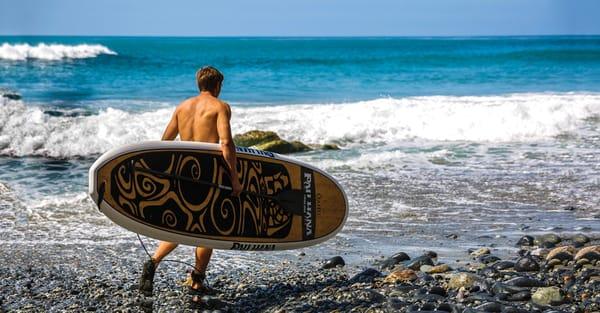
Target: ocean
446 143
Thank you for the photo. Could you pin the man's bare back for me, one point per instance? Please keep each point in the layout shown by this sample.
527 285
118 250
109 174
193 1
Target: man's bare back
198 119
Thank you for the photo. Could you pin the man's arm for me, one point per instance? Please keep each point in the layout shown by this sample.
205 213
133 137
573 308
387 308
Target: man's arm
172 129
228 147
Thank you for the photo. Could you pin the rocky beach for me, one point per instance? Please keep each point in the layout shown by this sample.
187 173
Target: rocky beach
545 273
471 168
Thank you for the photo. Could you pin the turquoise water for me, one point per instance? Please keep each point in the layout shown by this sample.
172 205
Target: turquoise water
307 70
480 137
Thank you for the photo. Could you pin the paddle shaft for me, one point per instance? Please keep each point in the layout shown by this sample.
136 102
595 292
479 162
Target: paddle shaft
201 182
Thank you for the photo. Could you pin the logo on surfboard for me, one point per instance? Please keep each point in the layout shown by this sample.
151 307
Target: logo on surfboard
308 187
254 151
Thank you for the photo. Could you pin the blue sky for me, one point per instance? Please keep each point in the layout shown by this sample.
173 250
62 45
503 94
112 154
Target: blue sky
299 17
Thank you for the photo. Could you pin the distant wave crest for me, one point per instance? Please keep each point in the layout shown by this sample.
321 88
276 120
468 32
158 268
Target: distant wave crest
28 130
42 51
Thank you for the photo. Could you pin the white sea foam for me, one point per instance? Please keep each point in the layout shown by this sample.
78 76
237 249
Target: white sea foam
26 130
42 51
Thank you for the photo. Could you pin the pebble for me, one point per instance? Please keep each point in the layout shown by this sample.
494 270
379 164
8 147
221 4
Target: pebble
526 264
488 258
394 259
561 253
547 240
502 265
366 276
580 240
479 252
525 282
416 263
334 262
526 241
546 296
459 280
590 253
298 285
441 268
407 275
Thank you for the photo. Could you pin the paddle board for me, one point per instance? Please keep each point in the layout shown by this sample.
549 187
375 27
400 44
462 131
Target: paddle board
177 191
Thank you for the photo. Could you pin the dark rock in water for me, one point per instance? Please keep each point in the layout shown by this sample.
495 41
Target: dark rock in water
452 236
330 146
525 282
525 241
334 262
11 95
547 240
283 147
416 263
579 240
488 258
254 137
502 265
366 276
268 141
527 264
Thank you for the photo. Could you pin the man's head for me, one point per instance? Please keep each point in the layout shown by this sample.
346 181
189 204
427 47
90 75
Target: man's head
209 79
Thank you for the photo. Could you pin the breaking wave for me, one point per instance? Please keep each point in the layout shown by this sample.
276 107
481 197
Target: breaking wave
27 130
42 51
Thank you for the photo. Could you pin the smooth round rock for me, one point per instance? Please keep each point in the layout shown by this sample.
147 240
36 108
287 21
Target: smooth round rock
502 265
547 240
407 275
334 262
416 263
526 264
488 258
561 253
465 280
366 276
547 296
525 282
525 241
479 252
580 240
591 253
400 257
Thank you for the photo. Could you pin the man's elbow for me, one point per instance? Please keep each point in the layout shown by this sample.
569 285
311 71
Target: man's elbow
227 144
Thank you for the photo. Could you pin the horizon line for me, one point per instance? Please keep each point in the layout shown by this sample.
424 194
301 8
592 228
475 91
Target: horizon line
303 36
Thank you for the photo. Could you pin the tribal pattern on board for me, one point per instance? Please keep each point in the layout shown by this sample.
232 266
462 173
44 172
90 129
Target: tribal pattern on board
187 207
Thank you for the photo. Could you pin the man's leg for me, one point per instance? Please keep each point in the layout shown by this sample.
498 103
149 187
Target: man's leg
202 258
146 281
164 248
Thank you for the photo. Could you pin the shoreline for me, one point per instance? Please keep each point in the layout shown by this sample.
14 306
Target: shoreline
56 277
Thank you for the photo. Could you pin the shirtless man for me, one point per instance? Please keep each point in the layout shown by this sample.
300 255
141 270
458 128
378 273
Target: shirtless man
202 118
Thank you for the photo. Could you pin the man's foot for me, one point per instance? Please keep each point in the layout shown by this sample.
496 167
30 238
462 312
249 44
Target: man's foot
197 287
147 278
